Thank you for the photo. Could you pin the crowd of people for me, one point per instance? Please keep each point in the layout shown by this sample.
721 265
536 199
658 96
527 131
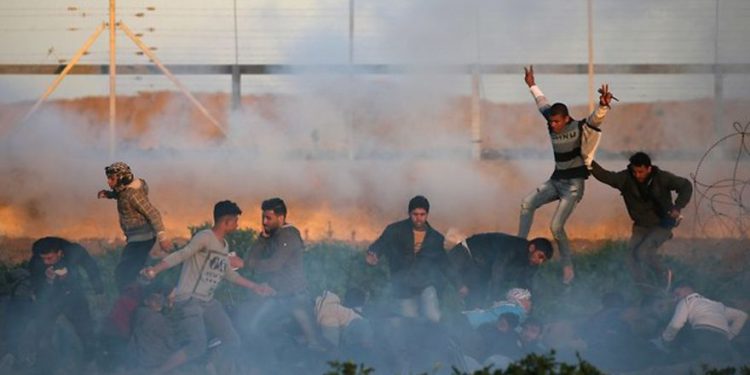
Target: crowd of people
159 325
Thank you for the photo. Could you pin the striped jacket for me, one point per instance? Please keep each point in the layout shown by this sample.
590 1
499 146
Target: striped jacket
574 146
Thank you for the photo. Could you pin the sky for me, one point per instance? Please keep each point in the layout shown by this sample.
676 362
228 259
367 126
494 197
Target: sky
385 31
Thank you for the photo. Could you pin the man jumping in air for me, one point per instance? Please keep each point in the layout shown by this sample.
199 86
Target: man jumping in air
566 184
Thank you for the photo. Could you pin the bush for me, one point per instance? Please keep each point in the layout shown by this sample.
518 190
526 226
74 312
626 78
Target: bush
532 364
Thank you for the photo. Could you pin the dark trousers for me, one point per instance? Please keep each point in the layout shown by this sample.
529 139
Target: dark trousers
644 261
74 306
132 260
710 347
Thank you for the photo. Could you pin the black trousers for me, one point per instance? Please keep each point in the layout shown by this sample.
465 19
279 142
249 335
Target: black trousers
132 260
74 306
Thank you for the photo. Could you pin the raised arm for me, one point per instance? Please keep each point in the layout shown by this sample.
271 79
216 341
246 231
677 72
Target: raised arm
541 101
596 118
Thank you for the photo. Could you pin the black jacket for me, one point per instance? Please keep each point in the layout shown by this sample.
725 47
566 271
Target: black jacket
74 258
650 208
495 261
410 272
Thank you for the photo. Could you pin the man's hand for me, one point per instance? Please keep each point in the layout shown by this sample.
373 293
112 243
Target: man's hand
529 75
263 290
674 213
568 274
149 273
371 258
605 97
102 194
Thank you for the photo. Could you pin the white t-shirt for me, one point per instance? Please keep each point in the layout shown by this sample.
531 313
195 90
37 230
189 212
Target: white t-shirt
204 264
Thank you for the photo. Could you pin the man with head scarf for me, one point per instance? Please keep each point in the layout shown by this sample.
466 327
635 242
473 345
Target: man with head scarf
139 219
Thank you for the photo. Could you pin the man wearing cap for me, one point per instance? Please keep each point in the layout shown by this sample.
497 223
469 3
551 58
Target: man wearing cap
139 219
416 259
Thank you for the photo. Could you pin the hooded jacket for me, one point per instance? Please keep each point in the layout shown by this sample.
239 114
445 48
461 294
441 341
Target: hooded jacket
139 219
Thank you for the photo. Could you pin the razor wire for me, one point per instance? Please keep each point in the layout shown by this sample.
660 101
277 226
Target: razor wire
722 203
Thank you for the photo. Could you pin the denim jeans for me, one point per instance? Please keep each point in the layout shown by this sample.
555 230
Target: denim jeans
569 193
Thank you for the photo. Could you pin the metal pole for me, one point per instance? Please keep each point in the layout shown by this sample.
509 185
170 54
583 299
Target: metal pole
351 114
476 94
351 31
65 71
718 78
476 116
589 7
171 77
112 79
236 77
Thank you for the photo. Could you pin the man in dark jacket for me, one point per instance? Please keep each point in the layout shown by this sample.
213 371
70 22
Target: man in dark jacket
484 266
647 192
276 259
416 259
55 268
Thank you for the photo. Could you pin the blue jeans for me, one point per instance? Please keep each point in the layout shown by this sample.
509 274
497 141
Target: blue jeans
569 193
